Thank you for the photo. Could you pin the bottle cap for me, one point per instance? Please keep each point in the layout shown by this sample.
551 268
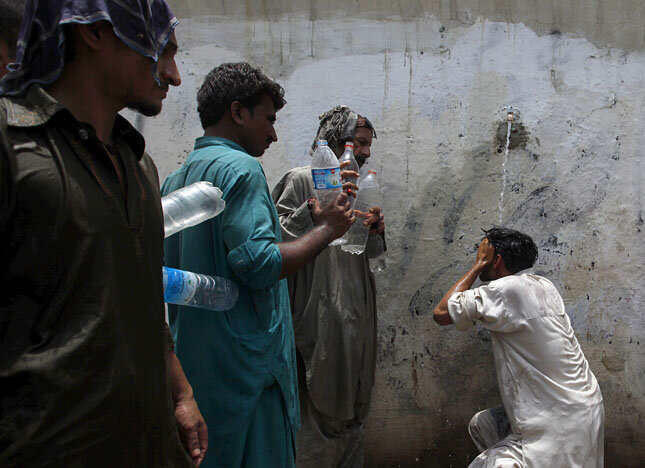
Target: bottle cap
372 172
321 143
349 143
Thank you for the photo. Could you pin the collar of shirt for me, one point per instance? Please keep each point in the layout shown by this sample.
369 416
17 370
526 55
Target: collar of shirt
204 141
36 107
525 271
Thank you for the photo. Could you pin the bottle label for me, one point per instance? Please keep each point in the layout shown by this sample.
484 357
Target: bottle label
179 286
326 178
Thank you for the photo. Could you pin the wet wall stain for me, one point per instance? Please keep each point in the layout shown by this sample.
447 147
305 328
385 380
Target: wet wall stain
454 214
425 299
518 139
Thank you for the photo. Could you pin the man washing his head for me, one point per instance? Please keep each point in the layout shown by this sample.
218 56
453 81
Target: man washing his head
552 414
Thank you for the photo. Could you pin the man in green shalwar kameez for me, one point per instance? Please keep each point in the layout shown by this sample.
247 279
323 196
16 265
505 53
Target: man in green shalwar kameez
241 363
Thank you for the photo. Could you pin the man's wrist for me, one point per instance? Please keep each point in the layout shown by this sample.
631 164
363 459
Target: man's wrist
185 394
479 265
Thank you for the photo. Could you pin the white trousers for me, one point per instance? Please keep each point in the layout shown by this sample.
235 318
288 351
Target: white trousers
491 433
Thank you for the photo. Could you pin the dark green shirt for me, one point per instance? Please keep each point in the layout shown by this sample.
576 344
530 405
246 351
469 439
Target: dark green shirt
230 357
83 353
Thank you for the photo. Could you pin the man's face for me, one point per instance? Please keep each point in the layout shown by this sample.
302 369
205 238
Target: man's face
362 144
142 93
258 131
487 273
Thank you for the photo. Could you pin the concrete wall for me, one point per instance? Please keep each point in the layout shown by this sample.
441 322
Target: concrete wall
433 76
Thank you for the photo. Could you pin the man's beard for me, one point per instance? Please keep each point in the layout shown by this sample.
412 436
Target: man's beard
149 110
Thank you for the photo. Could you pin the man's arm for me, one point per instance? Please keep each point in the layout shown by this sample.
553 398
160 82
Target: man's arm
190 422
485 256
331 223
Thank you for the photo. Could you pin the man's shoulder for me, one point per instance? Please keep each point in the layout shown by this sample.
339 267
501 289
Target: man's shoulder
298 179
32 107
304 171
298 173
517 286
225 157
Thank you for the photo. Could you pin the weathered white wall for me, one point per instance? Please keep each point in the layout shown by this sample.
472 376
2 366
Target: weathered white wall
433 77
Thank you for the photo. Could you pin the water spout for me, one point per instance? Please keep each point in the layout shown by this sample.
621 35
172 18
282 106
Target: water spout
511 115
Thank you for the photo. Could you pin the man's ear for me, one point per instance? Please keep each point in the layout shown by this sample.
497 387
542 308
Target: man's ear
237 112
93 35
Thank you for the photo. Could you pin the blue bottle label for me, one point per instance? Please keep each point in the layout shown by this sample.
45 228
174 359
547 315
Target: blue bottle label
326 178
179 286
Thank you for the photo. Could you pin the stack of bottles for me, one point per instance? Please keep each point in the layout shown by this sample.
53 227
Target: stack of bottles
183 208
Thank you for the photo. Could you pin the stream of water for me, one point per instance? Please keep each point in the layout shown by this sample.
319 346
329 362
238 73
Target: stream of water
501 197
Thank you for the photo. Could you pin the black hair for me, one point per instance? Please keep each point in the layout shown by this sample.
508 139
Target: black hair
232 82
517 249
10 19
368 125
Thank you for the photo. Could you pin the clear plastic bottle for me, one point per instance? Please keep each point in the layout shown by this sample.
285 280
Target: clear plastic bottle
375 249
368 196
348 155
197 290
191 205
325 172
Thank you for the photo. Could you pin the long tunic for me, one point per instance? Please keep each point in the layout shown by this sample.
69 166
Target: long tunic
551 397
231 357
83 352
333 301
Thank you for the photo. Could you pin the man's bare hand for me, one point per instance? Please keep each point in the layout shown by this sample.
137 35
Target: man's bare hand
349 186
335 217
485 253
374 219
192 428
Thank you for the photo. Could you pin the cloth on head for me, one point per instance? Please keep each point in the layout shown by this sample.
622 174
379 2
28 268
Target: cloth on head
336 125
143 25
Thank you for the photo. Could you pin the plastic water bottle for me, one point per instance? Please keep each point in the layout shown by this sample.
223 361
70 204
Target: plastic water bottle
368 196
348 156
191 205
375 250
197 290
325 172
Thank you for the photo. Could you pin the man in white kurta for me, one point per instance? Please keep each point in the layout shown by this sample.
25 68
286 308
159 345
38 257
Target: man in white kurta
552 414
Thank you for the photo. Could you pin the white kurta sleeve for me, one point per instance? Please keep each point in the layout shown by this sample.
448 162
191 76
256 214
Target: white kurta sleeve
485 305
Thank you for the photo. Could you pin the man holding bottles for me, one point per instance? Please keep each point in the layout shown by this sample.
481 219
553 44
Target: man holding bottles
333 302
241 362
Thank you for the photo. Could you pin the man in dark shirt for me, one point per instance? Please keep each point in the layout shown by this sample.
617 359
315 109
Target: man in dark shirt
87 372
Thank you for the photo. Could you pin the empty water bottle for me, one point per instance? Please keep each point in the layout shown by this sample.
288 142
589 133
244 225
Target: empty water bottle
348 156
375 250
191 205
368 197
325 172
197 290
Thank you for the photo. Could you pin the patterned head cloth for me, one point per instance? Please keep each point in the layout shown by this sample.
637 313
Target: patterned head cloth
143 25
336 126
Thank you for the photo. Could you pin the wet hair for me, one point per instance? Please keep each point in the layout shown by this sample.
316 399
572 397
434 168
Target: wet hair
517 249
232 82
10 20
